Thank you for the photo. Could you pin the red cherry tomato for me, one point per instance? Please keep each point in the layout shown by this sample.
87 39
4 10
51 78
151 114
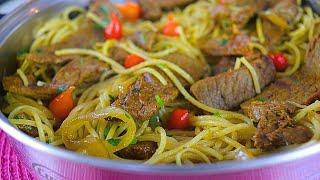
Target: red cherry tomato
62 105
179 119
171 28
114 29
132 60
130 10
279 61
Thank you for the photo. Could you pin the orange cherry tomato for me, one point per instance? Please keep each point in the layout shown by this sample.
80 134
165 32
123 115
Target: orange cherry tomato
171 28
132 60
179 119
62 104
114 29
130 10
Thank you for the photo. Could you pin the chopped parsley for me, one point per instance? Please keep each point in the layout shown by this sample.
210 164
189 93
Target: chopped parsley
112 98
127 115
18 116
155 121
106 132
22 52
104 8
159 101
134 141
39 50
162 65
169 135
114 142
98 26
262 99
223 42
225 23
218 114
62 88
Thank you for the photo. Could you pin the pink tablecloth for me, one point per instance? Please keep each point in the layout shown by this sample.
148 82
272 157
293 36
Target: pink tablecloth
10 166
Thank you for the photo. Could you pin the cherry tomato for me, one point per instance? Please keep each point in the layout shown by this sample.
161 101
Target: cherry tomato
179 119
279 61
132 60
130 10
171 28
114 29
62 104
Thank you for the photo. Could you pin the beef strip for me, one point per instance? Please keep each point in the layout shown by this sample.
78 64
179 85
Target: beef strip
303 88
235 45
152 10
141 151
287 10
144 40
85 37
227 90
118 54
275 128
226 63
80 72
139 99
14 84
196 68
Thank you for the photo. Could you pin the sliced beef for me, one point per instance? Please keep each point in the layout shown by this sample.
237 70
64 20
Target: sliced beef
141 151
227 90
14 84
235 45
225 64
228 15
275 128
287 10
80 72
303 88
118 54
152 10
139 99
196 68
85 37
144 40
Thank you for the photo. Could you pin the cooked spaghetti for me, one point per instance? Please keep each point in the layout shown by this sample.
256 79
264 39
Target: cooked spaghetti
147 87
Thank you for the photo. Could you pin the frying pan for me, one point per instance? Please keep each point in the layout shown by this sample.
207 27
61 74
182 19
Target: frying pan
53 163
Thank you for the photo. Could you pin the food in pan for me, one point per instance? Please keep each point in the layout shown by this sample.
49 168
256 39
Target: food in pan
179 81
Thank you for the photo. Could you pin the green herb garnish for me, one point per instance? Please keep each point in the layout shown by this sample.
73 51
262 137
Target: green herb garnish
39 50
162 65
61 88
169 135
155 121
127 115
22 52
106 132
134 141
114 142
104 8
218 114
112 98
223 42
160 101
18 116
262 99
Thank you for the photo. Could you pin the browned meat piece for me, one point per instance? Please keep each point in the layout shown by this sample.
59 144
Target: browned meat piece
225 64
118 54
151 10
302 88
226 16
80 72
85 37
14 84
170 4
141 151
145 40
276 128
195 68
30 130
227 90
287 10
236 45
139 99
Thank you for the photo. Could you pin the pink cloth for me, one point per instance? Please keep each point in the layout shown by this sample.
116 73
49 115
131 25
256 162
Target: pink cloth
10 166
